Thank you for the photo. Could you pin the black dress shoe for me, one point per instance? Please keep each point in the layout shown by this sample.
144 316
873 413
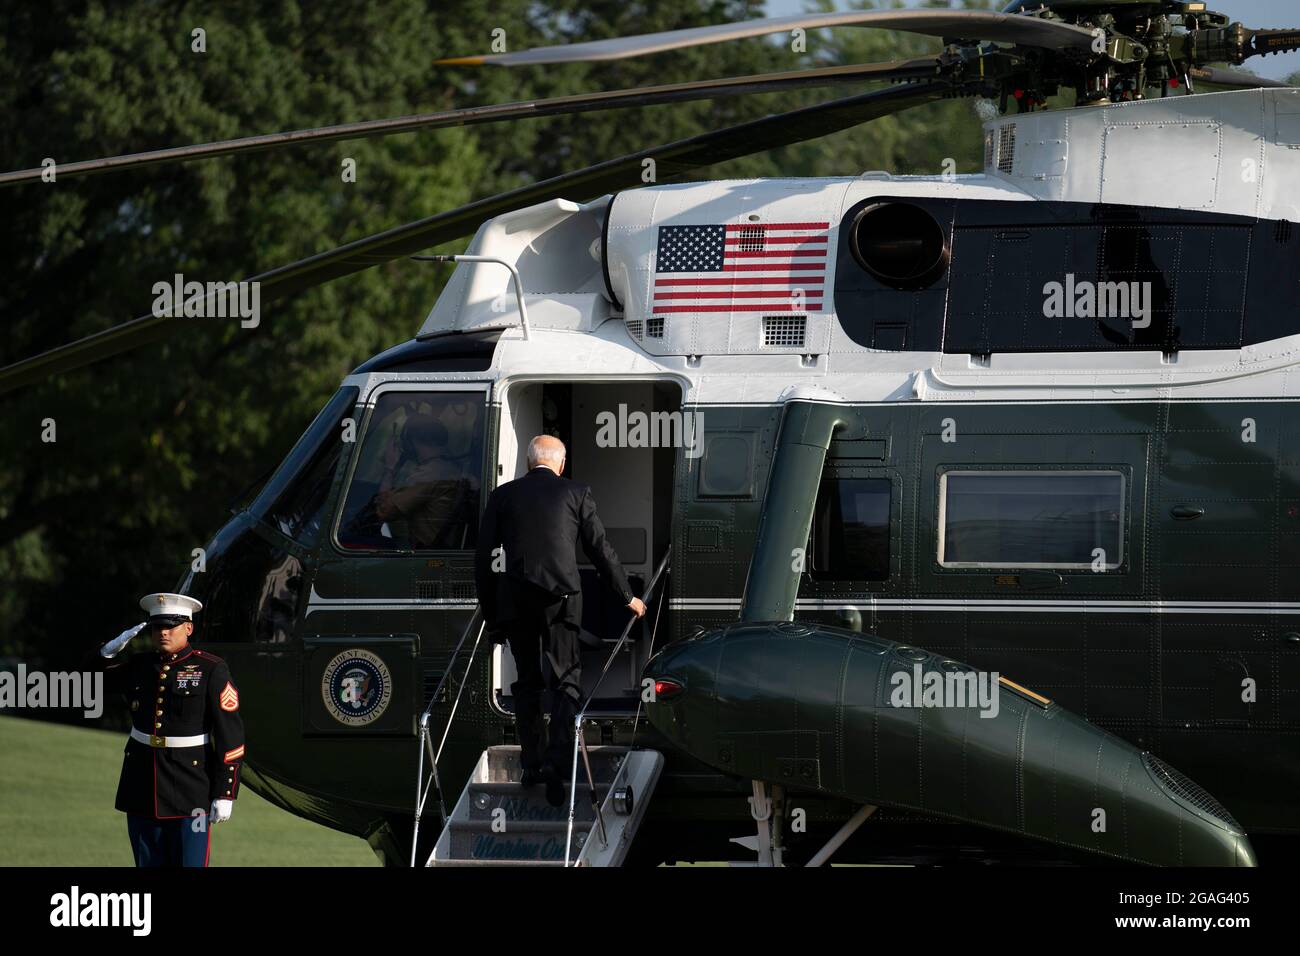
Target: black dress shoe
554 786
531 778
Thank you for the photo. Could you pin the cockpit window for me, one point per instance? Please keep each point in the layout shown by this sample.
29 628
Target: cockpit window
417 480
294 498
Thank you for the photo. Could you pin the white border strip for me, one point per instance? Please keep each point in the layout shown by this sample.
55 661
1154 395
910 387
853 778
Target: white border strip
974 606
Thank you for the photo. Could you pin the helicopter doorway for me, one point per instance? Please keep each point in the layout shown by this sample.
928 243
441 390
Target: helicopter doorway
631 477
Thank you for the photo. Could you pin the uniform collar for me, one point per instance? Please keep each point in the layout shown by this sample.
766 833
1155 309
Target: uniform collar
175 658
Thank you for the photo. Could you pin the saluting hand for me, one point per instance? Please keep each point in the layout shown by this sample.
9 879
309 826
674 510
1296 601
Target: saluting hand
116 644
637 606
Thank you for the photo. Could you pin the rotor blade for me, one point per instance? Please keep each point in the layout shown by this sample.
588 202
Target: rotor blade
1215 76
1260 42
967 24
672 161
920 68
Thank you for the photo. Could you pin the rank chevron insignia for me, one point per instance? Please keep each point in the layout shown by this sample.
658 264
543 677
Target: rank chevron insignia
229 697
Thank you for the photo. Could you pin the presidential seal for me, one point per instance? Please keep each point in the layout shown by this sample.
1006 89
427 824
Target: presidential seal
356 687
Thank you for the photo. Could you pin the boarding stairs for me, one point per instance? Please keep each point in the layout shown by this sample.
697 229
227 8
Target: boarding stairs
497 821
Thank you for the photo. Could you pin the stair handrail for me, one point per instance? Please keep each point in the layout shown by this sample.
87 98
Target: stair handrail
579 743
426 740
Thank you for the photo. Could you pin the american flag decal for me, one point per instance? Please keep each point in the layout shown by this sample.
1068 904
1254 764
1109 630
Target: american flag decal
777 268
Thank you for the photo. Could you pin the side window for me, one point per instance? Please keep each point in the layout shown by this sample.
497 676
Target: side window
850 531
727 469
1031 519
417 479
294 499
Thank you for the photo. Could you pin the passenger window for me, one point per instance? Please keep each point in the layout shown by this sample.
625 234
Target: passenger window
727 470
1031 519
850 533
417 480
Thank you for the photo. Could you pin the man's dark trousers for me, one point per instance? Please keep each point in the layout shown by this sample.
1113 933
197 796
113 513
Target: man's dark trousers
539 628
185 841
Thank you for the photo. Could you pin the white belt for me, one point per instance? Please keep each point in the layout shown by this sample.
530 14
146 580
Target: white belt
141 737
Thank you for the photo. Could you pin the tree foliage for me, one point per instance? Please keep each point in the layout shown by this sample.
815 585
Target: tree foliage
152 448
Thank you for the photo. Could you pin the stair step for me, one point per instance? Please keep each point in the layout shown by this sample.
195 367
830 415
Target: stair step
531 842
542 814
502 764
518 788
513 826
521 806
473 862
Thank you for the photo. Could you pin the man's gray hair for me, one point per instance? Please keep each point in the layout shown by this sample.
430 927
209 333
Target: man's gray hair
545 450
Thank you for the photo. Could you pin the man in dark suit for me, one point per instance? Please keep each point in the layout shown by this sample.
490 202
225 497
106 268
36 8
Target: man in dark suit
526 570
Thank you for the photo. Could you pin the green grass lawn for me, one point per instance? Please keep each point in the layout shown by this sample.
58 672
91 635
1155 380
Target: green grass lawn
57 785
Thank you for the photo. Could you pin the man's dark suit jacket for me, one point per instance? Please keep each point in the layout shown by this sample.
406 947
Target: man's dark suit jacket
538 519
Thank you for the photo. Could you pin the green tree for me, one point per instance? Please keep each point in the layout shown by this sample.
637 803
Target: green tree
152 447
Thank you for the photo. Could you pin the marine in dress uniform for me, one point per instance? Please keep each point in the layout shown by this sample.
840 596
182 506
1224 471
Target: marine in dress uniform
180 769
536 604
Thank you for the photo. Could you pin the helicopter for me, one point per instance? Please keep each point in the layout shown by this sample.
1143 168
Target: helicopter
868 449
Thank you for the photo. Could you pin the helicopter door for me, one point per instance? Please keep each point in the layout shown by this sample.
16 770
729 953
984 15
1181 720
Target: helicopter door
621 441
396 579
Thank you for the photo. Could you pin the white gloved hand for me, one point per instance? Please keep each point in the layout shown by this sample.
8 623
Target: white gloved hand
221 810
116 644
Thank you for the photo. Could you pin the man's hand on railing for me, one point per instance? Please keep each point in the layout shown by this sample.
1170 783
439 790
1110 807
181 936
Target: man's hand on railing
637 606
